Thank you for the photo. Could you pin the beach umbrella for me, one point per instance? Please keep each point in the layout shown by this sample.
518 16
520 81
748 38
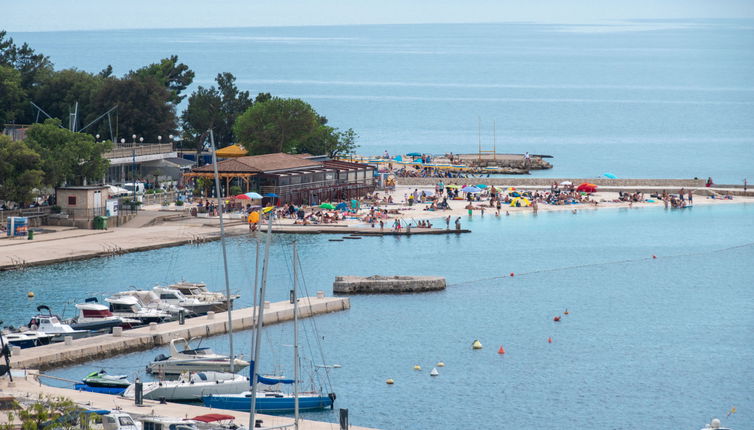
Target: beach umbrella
427 193
586 187
270 195
253 195
414 154
268 208
341 206
327 206
242 197
510 190
471 189
514 194
566 183
609 175
481 186
452 186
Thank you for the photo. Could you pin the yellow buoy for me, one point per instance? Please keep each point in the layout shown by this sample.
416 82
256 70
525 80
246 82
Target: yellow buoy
30 294
441 364
417 367
476 345
390 382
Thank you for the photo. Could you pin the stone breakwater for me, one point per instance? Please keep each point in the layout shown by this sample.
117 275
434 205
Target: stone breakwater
387 284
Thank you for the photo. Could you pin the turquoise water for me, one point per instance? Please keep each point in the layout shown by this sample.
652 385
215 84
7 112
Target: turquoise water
638 99
665 342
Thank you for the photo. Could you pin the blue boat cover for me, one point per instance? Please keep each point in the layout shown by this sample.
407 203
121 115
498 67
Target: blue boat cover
268 381
101 390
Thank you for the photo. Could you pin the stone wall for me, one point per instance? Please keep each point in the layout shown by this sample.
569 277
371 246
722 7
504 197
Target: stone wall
546 182
387 284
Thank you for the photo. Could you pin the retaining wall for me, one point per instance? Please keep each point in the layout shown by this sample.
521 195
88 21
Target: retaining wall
387 284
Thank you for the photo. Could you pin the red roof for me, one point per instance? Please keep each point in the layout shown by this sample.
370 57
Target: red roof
210 418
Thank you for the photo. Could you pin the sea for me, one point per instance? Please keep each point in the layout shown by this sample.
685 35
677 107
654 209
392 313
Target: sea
665 342
638 99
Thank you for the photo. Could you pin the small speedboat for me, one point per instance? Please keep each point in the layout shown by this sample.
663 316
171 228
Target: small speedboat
192 386
187 359
51 324
118 420
715 425
96 317
27 339
150 300
152 422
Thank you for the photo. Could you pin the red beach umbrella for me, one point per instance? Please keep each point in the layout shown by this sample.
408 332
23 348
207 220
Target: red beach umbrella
242 197
587 187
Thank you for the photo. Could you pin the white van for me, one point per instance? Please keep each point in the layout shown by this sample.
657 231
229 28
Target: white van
140 189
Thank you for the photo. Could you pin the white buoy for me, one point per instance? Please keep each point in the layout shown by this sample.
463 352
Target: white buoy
434 372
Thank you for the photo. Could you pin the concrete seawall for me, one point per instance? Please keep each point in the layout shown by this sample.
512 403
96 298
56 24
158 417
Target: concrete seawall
546 182
98 347
387 284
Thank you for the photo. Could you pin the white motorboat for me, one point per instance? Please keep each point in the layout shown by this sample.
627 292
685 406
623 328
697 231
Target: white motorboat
129 307
118 420
193 305
26 339
51 324
198 290
192 386
95 317
192 360
152 422
150 300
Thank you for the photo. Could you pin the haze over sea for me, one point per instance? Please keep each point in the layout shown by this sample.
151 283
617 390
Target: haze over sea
638 98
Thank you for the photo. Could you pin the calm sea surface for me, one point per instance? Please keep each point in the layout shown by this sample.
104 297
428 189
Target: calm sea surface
667 342
638 99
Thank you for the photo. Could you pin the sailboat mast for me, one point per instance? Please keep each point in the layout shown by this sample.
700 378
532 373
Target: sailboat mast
294 298
260 319
225 253
254 305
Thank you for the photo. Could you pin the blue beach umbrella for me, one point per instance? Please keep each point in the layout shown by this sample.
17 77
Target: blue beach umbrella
270 195
254 195
471 189
609 175
482 186
414 154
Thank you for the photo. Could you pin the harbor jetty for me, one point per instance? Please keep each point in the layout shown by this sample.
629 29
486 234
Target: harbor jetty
104 346
387 284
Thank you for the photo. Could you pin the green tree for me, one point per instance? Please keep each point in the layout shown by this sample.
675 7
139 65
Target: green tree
33 67
277 125
12 96
144 107
174 76
204 112
67 157
234 103
58 93
20 168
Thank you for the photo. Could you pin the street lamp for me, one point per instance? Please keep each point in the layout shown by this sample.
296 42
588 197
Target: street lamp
141 140
159 139
97 138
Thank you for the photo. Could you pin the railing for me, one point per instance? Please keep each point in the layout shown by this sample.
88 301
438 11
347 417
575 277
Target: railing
122 151
39 211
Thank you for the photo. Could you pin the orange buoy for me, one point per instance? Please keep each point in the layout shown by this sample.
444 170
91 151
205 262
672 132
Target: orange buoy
556 319
549 340
512 274
566 311
501 351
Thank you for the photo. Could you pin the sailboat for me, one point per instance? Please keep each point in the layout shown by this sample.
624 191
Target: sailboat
272 398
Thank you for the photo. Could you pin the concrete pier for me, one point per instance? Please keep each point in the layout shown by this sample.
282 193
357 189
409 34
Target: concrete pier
387 284
104 346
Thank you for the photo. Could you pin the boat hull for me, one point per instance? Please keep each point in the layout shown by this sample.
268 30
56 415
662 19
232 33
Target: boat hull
186 391
268 404
176 367
102 390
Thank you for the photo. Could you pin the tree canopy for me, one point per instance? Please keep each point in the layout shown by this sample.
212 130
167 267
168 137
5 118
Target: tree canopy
20 168
292 126
66 156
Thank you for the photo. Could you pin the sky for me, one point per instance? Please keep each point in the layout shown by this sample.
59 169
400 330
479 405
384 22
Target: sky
58 15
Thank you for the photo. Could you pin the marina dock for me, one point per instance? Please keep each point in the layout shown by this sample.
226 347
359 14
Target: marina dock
26 386
104 346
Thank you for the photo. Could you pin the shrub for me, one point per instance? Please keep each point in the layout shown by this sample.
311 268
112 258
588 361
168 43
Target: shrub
179 202
235 190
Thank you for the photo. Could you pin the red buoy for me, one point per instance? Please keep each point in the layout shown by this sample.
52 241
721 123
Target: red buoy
556 319
501 351
549 340
654 256
511 274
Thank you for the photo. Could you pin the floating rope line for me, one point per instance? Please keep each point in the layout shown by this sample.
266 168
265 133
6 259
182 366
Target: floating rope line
607 263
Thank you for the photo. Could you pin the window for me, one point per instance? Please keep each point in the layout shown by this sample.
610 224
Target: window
71 200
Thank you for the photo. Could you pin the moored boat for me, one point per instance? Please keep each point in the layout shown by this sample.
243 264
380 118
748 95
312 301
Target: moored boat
270 401
189 359
192 386
95 317
104 383
198 290
27 339
193 305
51 324
129 307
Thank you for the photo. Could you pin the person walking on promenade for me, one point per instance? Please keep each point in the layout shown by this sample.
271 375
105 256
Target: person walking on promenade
458 224
745 184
